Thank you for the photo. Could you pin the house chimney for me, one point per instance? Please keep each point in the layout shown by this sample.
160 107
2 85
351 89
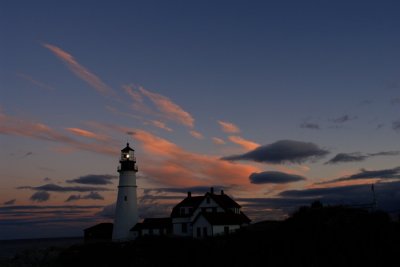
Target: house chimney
212 190
189 194
222 192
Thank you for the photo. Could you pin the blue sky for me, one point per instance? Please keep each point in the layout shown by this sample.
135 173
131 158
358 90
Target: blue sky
79 79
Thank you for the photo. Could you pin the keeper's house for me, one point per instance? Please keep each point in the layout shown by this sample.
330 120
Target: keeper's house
197 217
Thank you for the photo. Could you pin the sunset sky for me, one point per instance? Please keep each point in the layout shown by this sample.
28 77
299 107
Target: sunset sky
278 103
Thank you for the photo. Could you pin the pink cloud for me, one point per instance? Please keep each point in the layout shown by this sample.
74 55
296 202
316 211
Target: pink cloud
15 126
218 141
138 101
88 134
117 112
161 125
169 164
35 82
228 127
80 70
169 109
164 107
196 134
246 144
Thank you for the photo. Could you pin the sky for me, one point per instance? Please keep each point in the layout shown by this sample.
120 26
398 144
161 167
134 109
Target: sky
279 103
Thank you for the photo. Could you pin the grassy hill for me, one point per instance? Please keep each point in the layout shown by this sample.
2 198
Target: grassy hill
313 236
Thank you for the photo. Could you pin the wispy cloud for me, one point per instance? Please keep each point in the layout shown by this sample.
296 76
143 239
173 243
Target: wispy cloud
94 179
40 196
343 119
357 156
196 134
218 141
283 151
246 144
396 125
310 125
35 82
393 173
27 154
115 111
88 134
91 195
171 165
161 125
10 202
164 107
80 70
168 108
228 127
15 126
58 188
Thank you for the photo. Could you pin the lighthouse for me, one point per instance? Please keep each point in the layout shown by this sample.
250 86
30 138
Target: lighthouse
126 212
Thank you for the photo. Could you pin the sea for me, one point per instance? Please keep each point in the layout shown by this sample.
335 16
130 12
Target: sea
9 248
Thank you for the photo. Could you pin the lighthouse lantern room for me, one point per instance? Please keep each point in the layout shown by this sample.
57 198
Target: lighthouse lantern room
126 212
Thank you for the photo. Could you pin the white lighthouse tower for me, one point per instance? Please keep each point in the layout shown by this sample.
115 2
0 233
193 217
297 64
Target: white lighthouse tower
126 213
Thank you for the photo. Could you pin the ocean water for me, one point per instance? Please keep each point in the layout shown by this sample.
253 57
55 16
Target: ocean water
8 248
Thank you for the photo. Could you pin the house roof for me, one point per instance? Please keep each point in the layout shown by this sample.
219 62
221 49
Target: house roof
191 202
100 227
224 201
224 218
153 223
127 148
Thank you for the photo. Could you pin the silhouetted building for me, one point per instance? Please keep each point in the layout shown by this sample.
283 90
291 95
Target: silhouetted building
98 233
208 215
152 227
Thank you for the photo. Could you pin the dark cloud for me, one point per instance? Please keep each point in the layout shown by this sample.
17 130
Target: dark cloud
94 196
385 153
393 173
380 126
347 157
91 195
357 156
183 190
383 174
283 151
396 125
94 179
73 198
10 202
271 177
40 196
14 209
27 154
57 188
310 125
343 119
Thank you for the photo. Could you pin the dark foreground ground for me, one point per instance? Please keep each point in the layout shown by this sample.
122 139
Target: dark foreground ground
333 236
